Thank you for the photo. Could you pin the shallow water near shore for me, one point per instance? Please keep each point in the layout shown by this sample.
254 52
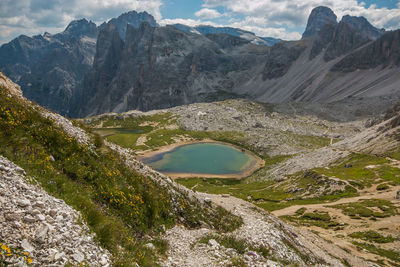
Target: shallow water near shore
202 159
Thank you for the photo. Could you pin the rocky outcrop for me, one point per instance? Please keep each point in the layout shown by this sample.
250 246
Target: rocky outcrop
322 40
226 41
47 229
12 87
50 68
362 25
131 18
80 28
344 40
280 59
384 52
319 17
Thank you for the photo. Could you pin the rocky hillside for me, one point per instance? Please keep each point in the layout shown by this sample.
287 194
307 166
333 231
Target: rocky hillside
53 232
123 202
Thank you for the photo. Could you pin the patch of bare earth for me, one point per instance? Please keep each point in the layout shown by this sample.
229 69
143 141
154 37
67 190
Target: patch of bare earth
339 236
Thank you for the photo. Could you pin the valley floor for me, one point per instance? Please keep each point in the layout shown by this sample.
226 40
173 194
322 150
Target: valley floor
304 181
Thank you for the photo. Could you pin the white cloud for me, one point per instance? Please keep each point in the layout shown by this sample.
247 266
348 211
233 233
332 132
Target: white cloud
284 19
31 17
294 13
207 13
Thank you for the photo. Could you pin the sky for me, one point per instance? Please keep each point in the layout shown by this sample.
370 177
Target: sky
285 19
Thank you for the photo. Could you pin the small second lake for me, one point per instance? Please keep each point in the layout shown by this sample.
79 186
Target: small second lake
203 159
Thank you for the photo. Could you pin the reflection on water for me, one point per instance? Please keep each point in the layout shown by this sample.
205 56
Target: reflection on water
202 158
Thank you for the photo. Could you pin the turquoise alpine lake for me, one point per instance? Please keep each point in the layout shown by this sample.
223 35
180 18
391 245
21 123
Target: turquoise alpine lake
203 159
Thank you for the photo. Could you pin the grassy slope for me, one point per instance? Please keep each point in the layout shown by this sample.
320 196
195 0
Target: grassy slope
117 203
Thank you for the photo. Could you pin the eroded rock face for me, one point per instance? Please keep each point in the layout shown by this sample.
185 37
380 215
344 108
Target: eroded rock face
50 68
131 18
164 67
344 40
280 60
161 67
384 52
363 26
322 40
319 17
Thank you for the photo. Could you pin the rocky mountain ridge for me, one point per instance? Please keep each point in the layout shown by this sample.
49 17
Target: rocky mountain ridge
162 67
51 67
304 70
72 76
249 36
131 18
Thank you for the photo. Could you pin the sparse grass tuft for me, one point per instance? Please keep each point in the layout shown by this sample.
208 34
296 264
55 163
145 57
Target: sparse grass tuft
375 208
390 254
320 219
372 236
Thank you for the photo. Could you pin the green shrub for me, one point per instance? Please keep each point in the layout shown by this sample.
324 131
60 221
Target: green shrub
382 187
373 236
317 216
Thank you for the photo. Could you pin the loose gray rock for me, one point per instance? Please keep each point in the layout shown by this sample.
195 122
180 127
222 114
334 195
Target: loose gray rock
57 241
27 246
23 202
79 257
150 246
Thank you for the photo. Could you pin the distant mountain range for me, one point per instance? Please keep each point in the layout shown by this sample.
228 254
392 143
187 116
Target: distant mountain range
249 36
132 63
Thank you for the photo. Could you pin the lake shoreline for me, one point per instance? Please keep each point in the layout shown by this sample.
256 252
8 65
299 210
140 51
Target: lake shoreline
240 175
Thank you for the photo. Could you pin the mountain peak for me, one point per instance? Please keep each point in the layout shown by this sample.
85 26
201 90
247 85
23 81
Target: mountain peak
319 17
81 27
132 18
363 26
